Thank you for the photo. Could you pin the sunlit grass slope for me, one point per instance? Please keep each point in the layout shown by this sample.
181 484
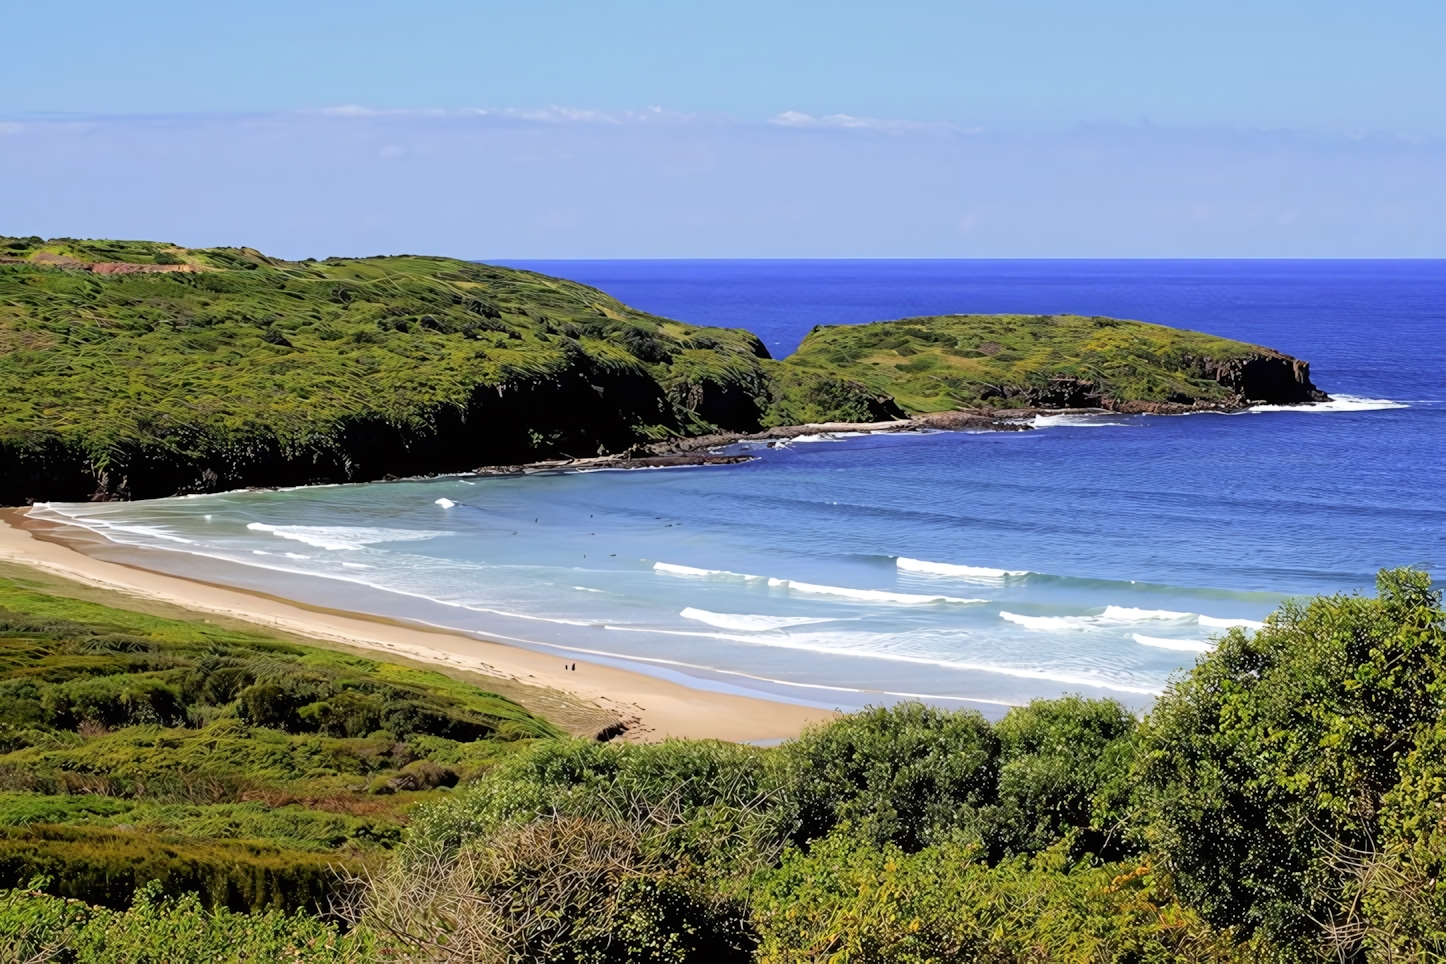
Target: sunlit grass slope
140 369
965 361
134 747
134 369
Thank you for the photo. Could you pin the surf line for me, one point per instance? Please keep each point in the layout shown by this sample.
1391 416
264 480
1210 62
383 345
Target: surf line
623 658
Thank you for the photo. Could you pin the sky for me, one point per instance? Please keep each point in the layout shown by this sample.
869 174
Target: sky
551 129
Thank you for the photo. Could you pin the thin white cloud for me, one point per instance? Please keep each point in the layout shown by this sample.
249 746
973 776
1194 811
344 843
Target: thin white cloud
793 118
656 183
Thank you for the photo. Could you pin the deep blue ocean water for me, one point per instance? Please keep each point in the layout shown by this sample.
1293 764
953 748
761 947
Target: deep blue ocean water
1092 555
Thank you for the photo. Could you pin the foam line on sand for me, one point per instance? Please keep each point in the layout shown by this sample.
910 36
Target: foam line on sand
664 708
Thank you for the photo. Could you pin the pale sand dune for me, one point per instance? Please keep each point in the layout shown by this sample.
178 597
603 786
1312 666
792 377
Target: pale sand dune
660 708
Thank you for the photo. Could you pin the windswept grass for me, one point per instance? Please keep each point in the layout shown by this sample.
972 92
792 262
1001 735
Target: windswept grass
136 747
247 369
964 361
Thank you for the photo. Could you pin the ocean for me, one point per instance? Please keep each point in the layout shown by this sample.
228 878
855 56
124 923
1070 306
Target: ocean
1094 555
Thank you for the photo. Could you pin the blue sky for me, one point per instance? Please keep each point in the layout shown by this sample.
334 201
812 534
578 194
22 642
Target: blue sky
640 129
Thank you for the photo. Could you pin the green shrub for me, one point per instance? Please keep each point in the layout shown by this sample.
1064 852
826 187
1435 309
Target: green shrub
1064 766
35 927
105 866
702 801
908 775
114 701
1265 769
846 899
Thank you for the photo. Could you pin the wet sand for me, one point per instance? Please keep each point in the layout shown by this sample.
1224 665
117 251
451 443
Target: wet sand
650 708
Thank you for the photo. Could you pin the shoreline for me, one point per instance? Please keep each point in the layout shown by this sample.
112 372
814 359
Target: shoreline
646 708
703 450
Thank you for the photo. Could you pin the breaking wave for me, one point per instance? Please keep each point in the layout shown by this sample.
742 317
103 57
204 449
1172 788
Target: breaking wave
1339 403
1124 616
1186 645
969 573
748 622
867 595
344 537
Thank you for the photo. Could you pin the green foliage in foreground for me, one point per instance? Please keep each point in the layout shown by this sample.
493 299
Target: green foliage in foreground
36 927
840 901
963 361
1284 801
137 748
1295 778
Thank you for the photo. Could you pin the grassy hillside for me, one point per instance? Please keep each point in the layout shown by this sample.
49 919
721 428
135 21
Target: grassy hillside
965 361
183 370
136 748
134 369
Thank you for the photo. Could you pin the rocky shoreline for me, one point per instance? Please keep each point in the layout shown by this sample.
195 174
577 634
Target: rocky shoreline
702 449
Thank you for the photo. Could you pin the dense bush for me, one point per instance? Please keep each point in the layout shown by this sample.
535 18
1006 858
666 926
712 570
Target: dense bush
1284 801
1063 766
907 775
846 899
1299 765
35 927
689 831
106 866
247 770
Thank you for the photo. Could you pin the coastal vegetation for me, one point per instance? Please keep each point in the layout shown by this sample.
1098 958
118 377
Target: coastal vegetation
1051 361
1284 800
136 749
135 369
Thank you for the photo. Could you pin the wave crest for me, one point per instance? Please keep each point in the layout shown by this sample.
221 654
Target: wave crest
969 573
748 622
867 595
1124 616
344 537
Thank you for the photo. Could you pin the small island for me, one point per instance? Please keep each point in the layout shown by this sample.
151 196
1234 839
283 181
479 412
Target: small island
138 369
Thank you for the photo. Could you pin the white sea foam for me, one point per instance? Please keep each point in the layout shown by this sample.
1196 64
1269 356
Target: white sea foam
826 437
1127 614
1339 403
1077 421
867 648
1187 645
1217 623
969 573
1123 616
748 622
445 503
343 537
867 595
41 509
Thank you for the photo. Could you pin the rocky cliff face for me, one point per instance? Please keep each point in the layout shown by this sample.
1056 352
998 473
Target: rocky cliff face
1266 378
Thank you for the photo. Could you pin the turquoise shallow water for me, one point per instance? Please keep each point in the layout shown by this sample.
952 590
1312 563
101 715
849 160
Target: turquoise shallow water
1092 555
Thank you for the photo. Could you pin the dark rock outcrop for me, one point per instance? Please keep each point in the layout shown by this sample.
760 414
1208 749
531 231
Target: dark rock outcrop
1271 379
1261 379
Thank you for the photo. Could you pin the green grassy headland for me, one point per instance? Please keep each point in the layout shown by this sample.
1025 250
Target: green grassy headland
1050 361
135 369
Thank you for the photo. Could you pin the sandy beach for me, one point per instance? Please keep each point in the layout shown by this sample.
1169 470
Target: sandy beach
650 708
